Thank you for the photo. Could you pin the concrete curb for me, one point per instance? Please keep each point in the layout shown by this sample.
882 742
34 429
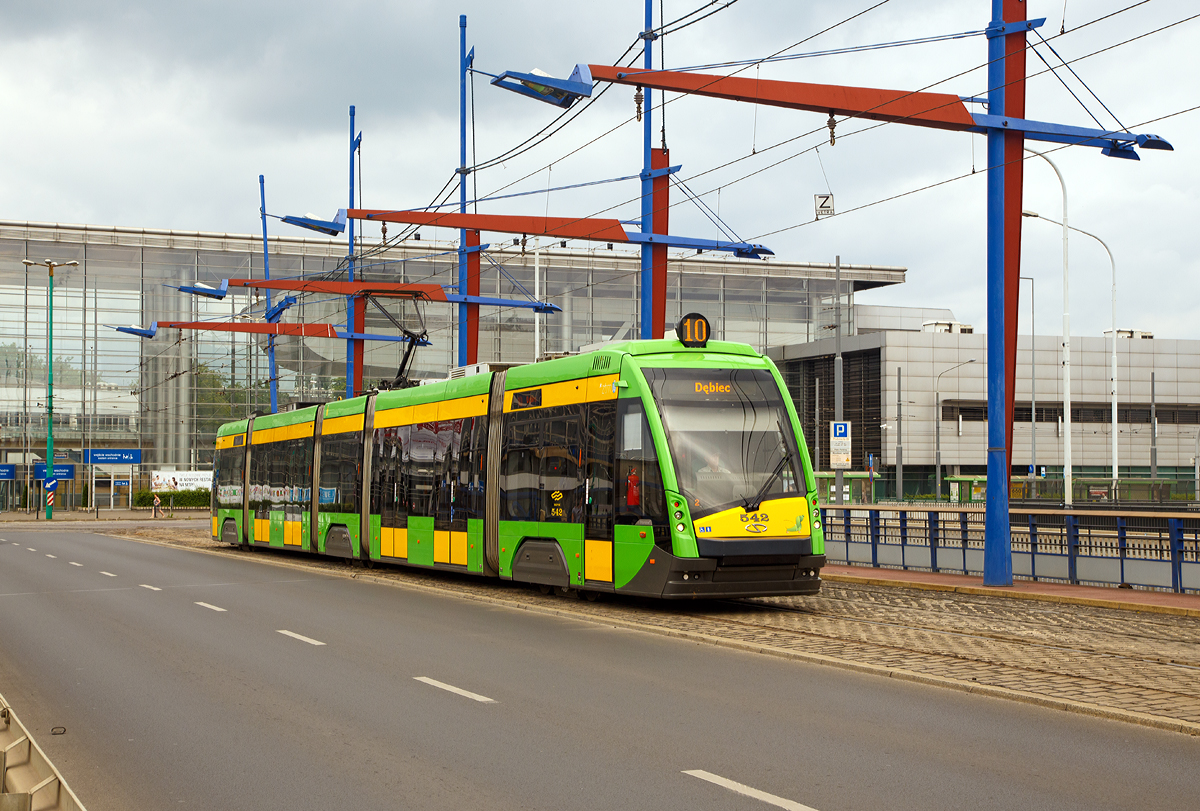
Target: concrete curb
987 591
1077 707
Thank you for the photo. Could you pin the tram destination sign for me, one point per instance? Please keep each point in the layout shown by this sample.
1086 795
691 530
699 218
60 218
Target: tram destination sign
839 445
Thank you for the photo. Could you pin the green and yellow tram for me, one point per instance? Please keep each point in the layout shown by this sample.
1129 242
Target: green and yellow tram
645 467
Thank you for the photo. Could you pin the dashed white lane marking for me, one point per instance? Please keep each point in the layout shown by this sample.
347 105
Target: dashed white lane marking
52 556
108 574
778 802
450 688
152 588
295 635
73 563
31 549
203 605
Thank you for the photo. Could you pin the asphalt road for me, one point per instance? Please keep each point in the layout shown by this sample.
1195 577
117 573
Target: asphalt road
186 679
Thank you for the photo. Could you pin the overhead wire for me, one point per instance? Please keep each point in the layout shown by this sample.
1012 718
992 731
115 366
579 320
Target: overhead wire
884 123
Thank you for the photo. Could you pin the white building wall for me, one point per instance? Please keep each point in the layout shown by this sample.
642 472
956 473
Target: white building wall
921 356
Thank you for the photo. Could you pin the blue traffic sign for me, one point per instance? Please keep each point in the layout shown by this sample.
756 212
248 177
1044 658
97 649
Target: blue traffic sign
60 471
113 456
51 485
841 430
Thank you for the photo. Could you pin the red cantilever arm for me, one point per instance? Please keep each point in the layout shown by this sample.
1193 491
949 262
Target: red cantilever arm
595 229
939 110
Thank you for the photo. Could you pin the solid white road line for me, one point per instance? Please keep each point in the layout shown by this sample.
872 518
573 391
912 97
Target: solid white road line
108 574
294 635
152 588
778 802
457 690
73 563
204 605
52 556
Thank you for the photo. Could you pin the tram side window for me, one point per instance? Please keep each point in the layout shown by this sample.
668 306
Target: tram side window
599 455
259 480
387 473
638 477
469 475
520 467
228 481
449 440
420 468
301 478
562 483
341 473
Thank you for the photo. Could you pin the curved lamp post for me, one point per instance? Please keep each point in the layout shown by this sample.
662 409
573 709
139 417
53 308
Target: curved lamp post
1066 334
937 423
1113 380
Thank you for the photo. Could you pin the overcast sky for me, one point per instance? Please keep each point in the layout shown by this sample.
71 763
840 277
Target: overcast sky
163 115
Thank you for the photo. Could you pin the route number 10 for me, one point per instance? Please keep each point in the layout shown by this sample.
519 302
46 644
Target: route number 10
693 331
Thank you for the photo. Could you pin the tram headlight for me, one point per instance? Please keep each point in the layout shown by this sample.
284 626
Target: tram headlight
678 515
679 527
816 524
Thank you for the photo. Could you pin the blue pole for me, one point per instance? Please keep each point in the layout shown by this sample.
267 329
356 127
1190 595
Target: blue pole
647 307
350 299
462 185
262 209
997 557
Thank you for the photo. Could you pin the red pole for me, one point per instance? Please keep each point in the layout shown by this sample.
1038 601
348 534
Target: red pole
472 290
360 319
660 201
1014 182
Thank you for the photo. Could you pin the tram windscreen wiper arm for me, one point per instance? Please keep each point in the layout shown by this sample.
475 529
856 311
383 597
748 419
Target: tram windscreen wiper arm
753 504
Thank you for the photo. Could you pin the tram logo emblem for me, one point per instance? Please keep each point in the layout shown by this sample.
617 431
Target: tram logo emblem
756 528
556 495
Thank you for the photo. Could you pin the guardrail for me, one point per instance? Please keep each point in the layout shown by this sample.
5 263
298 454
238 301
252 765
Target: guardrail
1158 550
26 773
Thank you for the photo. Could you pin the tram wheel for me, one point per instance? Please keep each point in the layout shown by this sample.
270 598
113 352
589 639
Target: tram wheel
544 589
590 596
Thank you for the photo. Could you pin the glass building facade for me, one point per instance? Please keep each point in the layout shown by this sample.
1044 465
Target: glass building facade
167 395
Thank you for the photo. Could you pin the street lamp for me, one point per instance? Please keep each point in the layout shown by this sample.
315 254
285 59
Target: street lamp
1113 381
46 263
1066 336
937 423
1032 381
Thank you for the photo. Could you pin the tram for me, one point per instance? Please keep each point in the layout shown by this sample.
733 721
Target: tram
660 468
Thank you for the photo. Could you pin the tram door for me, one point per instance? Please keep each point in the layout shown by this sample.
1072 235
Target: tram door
561 482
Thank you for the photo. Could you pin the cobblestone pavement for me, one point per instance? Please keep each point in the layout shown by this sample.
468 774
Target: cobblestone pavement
1106 659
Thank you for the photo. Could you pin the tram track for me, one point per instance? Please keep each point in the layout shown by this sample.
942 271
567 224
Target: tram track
982 634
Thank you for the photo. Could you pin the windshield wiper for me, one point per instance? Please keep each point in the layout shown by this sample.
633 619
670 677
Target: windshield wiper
753 504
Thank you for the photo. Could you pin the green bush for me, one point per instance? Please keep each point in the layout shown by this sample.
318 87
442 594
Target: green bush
183 498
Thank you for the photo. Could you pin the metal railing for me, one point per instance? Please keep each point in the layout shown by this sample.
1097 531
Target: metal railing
1156 550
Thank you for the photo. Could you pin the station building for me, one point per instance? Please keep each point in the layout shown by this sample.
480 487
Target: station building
166 396
900 363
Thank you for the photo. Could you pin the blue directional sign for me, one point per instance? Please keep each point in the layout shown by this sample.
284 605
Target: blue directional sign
60 471
121 483
113 456
8 473
51 485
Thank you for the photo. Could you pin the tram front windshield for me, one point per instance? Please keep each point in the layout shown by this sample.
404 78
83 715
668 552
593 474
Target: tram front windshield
729 434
